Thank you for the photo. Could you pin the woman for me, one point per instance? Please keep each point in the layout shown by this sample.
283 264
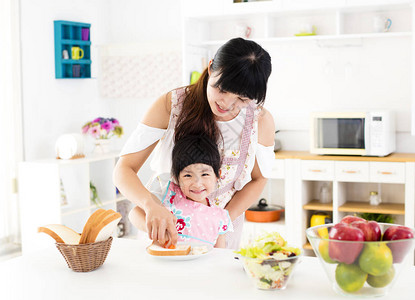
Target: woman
226 104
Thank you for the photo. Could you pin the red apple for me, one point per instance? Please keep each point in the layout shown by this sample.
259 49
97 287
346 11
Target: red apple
399 249
371 229
349 219
345 252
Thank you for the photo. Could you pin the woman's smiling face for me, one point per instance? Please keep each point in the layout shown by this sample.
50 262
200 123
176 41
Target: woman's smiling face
224 105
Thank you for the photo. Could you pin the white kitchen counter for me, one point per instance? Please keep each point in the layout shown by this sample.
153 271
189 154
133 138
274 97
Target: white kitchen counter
130 273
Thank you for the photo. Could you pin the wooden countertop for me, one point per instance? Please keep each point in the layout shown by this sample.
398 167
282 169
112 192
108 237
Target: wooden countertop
305 155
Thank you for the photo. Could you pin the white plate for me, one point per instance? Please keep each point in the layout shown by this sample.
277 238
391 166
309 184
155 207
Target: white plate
190 256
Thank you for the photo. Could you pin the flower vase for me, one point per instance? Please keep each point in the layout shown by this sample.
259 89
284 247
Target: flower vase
102 146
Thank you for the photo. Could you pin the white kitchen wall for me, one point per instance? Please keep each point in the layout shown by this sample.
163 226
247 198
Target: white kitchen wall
368 74
154 26
306 76
56 106
52 106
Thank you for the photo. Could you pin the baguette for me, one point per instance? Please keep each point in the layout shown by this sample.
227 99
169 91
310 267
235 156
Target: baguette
157 250
104 228
61 233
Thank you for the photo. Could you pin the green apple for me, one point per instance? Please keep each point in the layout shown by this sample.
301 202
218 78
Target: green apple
376 258
350 278
323 249
381 280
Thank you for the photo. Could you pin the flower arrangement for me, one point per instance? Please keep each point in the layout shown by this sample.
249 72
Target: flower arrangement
103 128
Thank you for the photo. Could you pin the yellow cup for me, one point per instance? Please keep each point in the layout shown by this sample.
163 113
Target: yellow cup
77 53
320 219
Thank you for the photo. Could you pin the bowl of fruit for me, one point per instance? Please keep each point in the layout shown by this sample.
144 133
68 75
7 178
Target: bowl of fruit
269 262
362 258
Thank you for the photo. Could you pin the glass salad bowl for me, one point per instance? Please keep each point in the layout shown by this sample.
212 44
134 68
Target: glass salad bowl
269 262
360 268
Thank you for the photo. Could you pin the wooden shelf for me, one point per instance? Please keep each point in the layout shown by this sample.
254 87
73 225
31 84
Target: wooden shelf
316 205
76 42
67 36
383 208
307 246
76 61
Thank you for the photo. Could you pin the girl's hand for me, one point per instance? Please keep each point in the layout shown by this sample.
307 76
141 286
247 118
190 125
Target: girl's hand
161 224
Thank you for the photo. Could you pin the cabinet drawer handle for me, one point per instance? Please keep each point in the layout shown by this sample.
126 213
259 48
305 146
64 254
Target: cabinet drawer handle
350 172
385 173
316 170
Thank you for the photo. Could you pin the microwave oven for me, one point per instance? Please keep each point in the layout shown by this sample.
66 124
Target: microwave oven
352 133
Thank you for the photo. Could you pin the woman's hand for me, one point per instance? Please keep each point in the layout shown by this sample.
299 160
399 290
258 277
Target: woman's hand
161 224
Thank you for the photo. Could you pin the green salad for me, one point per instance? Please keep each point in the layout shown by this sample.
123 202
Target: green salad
269 261
268 244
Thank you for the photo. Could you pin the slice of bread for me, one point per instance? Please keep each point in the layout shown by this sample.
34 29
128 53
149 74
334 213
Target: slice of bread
103 230
61 233
92 219
94 223
157 250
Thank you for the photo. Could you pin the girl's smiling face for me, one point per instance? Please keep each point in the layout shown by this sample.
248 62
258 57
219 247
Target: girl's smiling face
197 181
224 105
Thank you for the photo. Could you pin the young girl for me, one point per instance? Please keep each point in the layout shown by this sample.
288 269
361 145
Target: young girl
195 171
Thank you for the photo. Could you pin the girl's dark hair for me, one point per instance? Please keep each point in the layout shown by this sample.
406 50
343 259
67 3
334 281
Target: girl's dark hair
243 67
194 149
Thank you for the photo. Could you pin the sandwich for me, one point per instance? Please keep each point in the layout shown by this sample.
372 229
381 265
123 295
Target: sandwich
157 250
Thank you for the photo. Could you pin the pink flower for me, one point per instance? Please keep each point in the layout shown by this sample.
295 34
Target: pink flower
108 126
171 199
85 129
224 227
95 131
180 224
97 120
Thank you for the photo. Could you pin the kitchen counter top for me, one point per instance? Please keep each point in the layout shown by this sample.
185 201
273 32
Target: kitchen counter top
130 273
305 155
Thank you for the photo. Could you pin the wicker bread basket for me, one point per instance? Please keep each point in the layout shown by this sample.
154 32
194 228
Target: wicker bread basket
85 257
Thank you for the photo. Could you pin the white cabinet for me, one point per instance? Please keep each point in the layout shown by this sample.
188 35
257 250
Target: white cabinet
58 191
337 23
351 185
278 169
298 178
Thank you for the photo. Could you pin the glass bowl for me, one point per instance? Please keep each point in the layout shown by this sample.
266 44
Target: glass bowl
271 273
359 268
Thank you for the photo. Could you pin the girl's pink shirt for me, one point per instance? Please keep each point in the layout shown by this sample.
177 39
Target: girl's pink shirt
196 222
